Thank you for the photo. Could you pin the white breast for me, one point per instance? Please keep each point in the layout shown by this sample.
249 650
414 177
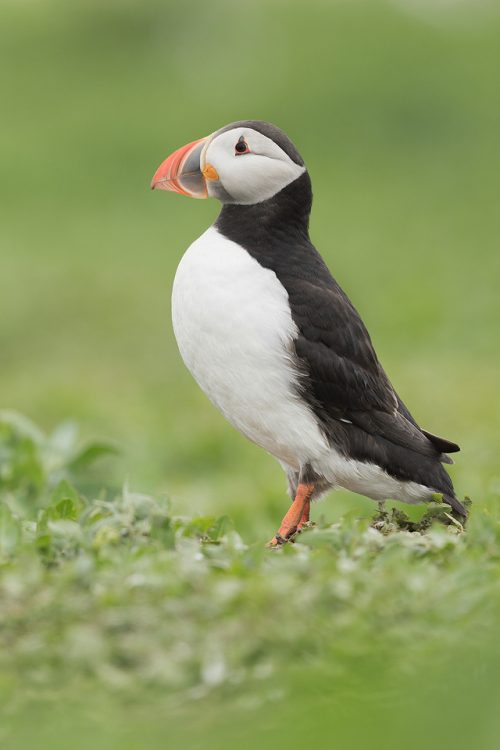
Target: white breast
234 329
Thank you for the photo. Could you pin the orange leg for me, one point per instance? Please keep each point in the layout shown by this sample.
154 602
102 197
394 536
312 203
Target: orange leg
297 514
305 515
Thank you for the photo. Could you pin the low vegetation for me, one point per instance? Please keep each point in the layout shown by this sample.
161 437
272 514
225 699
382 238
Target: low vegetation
102 590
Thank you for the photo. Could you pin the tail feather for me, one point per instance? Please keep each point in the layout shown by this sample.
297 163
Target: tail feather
443 445
456 505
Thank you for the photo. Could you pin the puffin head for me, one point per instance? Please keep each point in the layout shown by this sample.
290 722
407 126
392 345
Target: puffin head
244 163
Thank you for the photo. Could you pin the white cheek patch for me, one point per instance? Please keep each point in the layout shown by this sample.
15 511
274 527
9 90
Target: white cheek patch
253 177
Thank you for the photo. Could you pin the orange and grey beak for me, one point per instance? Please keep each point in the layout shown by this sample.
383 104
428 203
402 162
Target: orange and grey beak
182 171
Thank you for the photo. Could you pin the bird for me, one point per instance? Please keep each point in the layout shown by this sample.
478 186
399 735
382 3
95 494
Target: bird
276 344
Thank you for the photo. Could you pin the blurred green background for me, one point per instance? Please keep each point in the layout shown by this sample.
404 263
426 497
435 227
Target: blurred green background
395 108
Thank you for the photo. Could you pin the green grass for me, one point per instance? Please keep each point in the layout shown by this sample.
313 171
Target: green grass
395 108
112 605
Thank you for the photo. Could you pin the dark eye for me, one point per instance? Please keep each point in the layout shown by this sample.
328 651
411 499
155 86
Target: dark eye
242 146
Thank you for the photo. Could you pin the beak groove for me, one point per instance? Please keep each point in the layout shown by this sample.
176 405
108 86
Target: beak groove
181 171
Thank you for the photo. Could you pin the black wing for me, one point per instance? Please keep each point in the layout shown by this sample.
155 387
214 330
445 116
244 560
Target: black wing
343 379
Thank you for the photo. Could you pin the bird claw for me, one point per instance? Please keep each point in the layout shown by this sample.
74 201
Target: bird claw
278 540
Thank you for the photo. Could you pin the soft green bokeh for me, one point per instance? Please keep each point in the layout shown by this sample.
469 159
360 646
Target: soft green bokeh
394 107
124 625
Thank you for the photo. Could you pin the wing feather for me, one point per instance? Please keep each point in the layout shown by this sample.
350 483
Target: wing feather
345 377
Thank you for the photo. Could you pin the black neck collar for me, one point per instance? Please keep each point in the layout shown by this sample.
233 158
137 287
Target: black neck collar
286 214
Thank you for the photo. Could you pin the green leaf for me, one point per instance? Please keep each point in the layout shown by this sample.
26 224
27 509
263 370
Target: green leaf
10 532
222 525
21 425
64 491
90 454
21 468
43 541
436 509
66 503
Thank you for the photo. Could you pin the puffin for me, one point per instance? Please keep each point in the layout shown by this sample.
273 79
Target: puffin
277 345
